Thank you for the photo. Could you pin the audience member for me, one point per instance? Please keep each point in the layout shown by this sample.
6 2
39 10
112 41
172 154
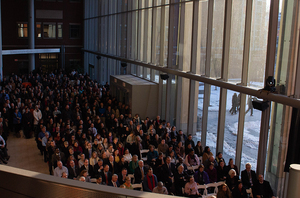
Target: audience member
248 177
150 181
190 188
160 189
60 169
224 192
93 135
262 188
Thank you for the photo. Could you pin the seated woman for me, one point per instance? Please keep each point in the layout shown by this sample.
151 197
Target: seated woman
77 148
127 156
94 159
206 154
201 177
224 192
222 171
122 164
191 189
84 173
116 156
180 151
232 180
232 166
173 157
121 149
212 173
239 191
191 159
105 143
198 149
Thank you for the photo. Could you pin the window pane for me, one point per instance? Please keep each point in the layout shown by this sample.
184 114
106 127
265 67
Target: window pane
74 31
231 125
166 30
259 39
38 30
251 134
49 31
202 33
237 40
217 39
156 35
213 115
22 30
59 31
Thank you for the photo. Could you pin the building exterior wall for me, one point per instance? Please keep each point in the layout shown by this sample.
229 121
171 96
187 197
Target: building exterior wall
63 13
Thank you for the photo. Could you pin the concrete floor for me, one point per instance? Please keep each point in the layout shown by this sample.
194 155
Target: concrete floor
24 154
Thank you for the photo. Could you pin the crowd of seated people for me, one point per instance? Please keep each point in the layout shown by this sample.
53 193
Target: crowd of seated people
85 134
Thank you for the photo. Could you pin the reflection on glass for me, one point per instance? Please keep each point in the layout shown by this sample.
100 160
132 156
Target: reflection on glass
237 40
175 31
156 76
187 44
213 115
217 39
166 34
199 110
156 36
202 33
258 47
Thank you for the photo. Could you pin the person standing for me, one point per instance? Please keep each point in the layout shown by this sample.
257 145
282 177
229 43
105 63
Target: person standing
37 116
27 123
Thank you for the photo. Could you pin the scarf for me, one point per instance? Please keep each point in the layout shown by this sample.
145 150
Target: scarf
150 186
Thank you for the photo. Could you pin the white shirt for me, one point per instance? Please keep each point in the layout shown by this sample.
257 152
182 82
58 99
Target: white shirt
58 172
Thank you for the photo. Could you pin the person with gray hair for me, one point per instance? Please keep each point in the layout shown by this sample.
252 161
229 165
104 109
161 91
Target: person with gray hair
180 177
232 179
58 171
114 181
248 177
160 189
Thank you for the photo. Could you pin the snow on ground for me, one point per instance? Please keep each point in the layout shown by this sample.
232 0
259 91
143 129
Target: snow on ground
251 128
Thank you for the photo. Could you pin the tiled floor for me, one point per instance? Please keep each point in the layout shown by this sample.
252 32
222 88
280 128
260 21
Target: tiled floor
25 154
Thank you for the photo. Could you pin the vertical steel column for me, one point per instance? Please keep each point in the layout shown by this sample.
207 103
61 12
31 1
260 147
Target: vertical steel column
153 41
171 35
246 54
170 65
162 33
194 85
128 36
206 99
146 24
270 64
224 75
31 43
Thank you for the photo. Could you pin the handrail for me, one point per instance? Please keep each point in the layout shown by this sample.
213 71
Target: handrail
24 183
279 98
